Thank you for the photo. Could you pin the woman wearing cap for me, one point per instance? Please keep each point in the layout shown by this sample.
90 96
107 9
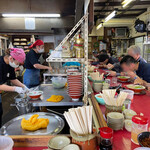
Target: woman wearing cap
33 66
12 59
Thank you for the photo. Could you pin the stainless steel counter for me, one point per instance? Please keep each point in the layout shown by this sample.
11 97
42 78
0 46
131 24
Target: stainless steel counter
48 90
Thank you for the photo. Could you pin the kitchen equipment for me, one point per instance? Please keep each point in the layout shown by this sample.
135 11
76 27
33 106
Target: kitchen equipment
106 135
139 124
13 127
58 82
115 120
24 107
58 142
6 143
144 138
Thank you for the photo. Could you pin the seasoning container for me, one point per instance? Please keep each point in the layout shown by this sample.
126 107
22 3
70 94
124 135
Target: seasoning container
106 135
139 124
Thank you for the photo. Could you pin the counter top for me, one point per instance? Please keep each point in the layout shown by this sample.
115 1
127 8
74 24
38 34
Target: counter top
122 138
48 90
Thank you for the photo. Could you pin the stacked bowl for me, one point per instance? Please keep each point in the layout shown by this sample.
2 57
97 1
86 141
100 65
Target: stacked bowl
75 85
115 120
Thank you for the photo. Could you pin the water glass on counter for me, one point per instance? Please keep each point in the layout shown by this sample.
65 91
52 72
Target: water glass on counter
114 81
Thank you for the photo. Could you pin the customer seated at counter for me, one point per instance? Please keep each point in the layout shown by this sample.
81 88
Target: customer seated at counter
95 58
104 60
135 52
135 69
115 65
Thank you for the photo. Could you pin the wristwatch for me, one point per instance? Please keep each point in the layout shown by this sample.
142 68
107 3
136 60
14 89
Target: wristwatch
135 77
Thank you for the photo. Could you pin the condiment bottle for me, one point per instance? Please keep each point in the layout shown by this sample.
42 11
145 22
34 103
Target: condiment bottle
139 124
106 135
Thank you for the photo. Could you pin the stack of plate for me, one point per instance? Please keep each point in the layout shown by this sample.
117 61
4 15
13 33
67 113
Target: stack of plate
75 85
115 120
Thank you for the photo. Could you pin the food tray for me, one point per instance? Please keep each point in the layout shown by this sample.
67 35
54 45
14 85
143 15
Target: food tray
13 127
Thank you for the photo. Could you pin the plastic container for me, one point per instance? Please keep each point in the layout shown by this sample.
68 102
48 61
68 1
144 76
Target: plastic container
58 82
106 135
130 94
6 143
139 124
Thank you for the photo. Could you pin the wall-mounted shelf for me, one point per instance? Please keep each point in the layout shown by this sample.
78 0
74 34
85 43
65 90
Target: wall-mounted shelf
82 26
65 60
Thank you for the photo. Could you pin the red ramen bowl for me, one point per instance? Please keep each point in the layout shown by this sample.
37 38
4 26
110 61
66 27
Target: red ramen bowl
35 94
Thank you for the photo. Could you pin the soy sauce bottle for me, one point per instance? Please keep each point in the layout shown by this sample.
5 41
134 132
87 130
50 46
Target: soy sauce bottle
106 135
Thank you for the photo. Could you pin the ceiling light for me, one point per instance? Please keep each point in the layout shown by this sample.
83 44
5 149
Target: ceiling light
110 16
99 26
30 15
126 2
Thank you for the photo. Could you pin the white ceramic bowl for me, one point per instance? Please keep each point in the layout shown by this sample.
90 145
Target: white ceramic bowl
6 143
142 148
58 142
35 94
71 147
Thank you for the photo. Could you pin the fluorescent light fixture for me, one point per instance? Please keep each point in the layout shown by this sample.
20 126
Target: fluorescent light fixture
110 16
126 2
99 26
30 15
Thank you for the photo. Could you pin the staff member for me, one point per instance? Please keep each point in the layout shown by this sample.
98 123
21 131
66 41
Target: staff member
13 57
32 74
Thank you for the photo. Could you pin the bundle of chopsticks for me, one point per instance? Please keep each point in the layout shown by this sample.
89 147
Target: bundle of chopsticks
110 99
80 119
97 76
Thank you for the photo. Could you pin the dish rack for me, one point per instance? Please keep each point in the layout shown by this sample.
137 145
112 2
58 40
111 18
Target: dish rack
81 26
